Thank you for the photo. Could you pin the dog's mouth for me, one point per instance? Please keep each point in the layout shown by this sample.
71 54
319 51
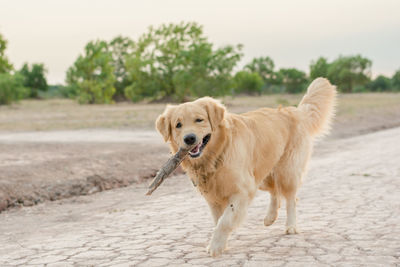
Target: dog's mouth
198 149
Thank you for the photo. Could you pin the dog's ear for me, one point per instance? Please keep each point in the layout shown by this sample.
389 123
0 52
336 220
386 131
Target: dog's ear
215 110
163 124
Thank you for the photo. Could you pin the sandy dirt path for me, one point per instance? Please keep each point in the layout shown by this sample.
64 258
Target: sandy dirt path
348 215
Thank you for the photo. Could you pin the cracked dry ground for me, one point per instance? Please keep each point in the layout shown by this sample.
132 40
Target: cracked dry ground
348 215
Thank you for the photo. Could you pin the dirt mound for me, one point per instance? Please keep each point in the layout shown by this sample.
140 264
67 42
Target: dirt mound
33 173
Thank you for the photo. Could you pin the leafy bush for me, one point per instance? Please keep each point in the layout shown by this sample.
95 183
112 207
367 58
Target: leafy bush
360 89
264 66
348 72
248 82
5 65
11 88
396 81
380 84
34 79
293 80
319 68
55 91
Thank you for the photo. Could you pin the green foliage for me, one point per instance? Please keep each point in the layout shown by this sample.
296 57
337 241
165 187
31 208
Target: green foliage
5 65
264 66
384 84
34 78
207 71
120 47
360 89
396 80
177 61
319 68
293 80
248 82
11 88
92 75
380 84
70 91
55 91
27 82
348 72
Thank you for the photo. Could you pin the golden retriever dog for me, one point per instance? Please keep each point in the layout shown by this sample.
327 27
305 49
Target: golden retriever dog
234 155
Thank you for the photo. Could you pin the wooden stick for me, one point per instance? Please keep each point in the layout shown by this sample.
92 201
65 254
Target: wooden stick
167 169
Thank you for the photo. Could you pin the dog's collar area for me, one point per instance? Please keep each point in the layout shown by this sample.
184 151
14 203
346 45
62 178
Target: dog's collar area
197 150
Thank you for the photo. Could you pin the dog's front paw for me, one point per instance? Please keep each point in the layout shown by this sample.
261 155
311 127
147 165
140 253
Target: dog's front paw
270 218
291 230
215 248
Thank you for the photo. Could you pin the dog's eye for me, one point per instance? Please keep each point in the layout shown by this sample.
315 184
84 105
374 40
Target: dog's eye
199 120
178 125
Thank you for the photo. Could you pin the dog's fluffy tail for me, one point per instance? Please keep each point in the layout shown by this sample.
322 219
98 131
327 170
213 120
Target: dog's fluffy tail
318 107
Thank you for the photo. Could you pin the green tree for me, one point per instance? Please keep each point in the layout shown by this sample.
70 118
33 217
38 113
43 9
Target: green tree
176 60
350 71
396 80
248 82
5 65
264 66
92 77
319 68
11 88
380 84
34 78
293 80
205 71
120 47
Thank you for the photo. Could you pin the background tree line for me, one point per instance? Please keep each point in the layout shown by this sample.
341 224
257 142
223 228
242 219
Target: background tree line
177 62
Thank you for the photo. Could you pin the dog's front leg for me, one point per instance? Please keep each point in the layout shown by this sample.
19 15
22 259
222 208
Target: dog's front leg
216 211
232 216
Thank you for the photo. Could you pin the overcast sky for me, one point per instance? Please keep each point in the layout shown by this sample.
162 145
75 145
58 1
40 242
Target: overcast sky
292 33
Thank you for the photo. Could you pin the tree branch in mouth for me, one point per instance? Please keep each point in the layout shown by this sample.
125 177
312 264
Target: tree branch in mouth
168 168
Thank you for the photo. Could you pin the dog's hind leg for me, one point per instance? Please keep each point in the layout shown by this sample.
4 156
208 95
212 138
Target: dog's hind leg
290 173
291 220
289 182
289 191
268 184
274 205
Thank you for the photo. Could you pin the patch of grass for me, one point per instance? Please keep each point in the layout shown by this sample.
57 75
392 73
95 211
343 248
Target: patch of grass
64 114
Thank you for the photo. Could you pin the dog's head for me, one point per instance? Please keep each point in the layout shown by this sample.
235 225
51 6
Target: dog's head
191 123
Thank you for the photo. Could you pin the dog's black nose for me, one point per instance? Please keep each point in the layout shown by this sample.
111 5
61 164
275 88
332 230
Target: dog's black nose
189 139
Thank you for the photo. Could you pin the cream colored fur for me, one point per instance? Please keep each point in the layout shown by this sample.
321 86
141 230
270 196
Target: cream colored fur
265 149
